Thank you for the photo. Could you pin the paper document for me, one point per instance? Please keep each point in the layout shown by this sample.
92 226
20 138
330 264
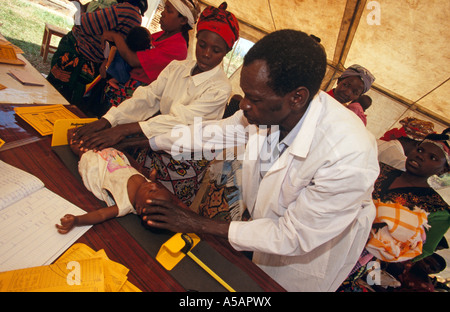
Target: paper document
28 214
79 269
55 278
4 42
8 55
25 78
43 118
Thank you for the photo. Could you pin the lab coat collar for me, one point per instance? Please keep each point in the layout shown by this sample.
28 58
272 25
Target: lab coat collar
302 142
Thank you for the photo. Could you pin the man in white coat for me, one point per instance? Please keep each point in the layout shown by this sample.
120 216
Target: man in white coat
308 170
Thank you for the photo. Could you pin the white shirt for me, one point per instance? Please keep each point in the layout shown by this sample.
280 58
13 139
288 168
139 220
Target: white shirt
313 210
273 148
178 95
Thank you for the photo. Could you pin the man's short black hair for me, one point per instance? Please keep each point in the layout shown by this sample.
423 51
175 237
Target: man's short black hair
294 59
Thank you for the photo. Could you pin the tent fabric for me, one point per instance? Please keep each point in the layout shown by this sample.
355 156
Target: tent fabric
403 43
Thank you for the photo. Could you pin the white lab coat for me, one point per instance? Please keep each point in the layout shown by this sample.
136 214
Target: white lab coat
179 96
313 210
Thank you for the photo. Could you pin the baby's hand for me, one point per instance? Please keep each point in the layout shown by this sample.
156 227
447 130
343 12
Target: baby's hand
67 223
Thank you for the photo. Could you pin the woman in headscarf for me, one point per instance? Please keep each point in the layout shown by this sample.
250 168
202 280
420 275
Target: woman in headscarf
408 190
351 85
80 53
395 144
184 90
171 43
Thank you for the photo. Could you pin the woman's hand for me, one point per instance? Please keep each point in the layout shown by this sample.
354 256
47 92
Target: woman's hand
102 139
83 132
111 137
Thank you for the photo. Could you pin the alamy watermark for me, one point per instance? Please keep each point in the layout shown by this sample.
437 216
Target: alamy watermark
74 276
208 140
374 16
373 273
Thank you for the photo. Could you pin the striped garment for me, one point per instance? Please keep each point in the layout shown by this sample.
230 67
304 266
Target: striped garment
121 18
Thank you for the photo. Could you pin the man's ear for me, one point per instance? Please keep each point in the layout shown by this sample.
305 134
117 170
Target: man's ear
299 98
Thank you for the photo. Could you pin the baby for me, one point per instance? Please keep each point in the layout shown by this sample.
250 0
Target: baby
110 177
138 39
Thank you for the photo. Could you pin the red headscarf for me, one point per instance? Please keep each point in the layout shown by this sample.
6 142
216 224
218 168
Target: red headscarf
220 21
413 128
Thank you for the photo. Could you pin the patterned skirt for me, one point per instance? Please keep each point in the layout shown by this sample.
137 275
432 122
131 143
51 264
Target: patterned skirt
70 71
181 177
113 96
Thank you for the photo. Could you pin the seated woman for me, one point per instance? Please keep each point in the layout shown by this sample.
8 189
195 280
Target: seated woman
410 189
351 85
395 144
138 39
116 71
80 53
177 19
184 90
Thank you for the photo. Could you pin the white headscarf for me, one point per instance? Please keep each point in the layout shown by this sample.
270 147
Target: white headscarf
187 9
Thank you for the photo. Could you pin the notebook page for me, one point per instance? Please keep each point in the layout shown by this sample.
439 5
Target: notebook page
16 184
28 236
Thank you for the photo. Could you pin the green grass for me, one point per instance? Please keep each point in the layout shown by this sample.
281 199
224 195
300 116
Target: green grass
23 25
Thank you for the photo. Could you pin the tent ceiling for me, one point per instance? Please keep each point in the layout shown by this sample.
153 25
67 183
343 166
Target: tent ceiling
408 52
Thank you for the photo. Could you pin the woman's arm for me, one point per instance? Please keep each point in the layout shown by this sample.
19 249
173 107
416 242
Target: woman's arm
128 55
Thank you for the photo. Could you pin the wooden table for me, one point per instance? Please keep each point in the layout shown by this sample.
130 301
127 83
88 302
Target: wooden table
16 93
33 154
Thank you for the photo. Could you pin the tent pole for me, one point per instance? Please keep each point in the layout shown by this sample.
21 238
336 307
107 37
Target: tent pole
349 23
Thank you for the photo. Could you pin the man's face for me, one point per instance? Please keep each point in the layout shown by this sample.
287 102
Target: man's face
260 104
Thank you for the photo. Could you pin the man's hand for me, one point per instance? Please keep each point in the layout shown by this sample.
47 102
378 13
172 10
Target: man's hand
170 216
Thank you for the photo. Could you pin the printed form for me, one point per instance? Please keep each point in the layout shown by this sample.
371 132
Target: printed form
28 214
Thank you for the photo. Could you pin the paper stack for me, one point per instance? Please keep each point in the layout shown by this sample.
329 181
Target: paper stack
79 269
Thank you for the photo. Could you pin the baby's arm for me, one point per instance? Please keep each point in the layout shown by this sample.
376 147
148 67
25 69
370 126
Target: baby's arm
69 221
